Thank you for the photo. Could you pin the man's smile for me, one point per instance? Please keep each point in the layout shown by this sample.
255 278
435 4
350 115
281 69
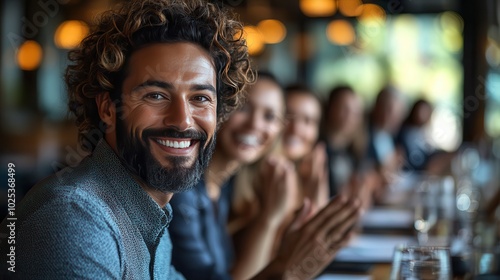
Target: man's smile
177 146
174 143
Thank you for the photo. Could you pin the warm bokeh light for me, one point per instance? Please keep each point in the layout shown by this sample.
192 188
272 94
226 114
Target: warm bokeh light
350 8
70 33
370 12
340 32
443 81
408 76
453 41
273 31
29 55
451 21
254 39
445 129
318 8
452 25
405 42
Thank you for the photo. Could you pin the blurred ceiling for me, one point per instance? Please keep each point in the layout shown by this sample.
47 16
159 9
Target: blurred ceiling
252 11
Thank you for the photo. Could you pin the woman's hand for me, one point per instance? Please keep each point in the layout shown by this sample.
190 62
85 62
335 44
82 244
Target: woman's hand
306 251
313 174
278 183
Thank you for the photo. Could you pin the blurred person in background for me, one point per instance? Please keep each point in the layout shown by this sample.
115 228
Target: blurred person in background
412 137
419 153
298 146
300 143
349 171
202 244
303 115
384 122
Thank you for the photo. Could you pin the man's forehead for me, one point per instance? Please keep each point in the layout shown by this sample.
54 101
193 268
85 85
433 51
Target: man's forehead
173 61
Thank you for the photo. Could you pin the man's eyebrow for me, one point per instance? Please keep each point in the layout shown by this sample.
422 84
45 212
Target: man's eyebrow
152 83
167 86
204 87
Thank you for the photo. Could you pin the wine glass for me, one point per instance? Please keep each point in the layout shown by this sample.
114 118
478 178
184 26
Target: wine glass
421 263
426 208
434 201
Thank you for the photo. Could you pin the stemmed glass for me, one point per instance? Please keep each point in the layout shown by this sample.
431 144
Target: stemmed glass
434 202
426 208
421 263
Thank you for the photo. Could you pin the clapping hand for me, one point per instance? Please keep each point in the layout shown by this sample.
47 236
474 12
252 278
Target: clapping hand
306 251
279 192
313 176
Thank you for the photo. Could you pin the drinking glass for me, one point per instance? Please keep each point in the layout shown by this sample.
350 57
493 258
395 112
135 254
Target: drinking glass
421 263
426 209
434 210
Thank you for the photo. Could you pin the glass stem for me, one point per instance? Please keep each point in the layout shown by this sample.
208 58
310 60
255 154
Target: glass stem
423 237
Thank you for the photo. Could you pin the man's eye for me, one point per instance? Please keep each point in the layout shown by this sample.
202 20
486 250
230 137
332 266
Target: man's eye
155 96
201 98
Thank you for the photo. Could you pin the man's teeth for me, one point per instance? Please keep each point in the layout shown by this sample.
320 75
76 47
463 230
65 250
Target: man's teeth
250 140
174 144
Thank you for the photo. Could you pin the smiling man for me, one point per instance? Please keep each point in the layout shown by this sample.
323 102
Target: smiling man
151 83
165 131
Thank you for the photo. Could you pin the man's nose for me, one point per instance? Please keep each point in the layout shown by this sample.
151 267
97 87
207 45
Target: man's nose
179 115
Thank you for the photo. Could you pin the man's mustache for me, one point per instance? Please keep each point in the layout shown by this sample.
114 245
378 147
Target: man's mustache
174 133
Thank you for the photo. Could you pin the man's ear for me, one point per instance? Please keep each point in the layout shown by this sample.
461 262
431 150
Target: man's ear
107 110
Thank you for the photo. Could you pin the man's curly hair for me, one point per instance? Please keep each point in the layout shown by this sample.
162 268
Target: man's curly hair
100 61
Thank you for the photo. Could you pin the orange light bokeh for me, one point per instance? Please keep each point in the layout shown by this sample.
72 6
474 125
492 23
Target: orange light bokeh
29 55
70 33
273 31
372 12
254 39
318 8
340 32
350 8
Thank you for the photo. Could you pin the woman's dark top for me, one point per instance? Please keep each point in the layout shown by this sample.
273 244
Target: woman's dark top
202 248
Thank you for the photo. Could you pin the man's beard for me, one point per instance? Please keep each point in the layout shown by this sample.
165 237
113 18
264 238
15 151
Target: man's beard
136 154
